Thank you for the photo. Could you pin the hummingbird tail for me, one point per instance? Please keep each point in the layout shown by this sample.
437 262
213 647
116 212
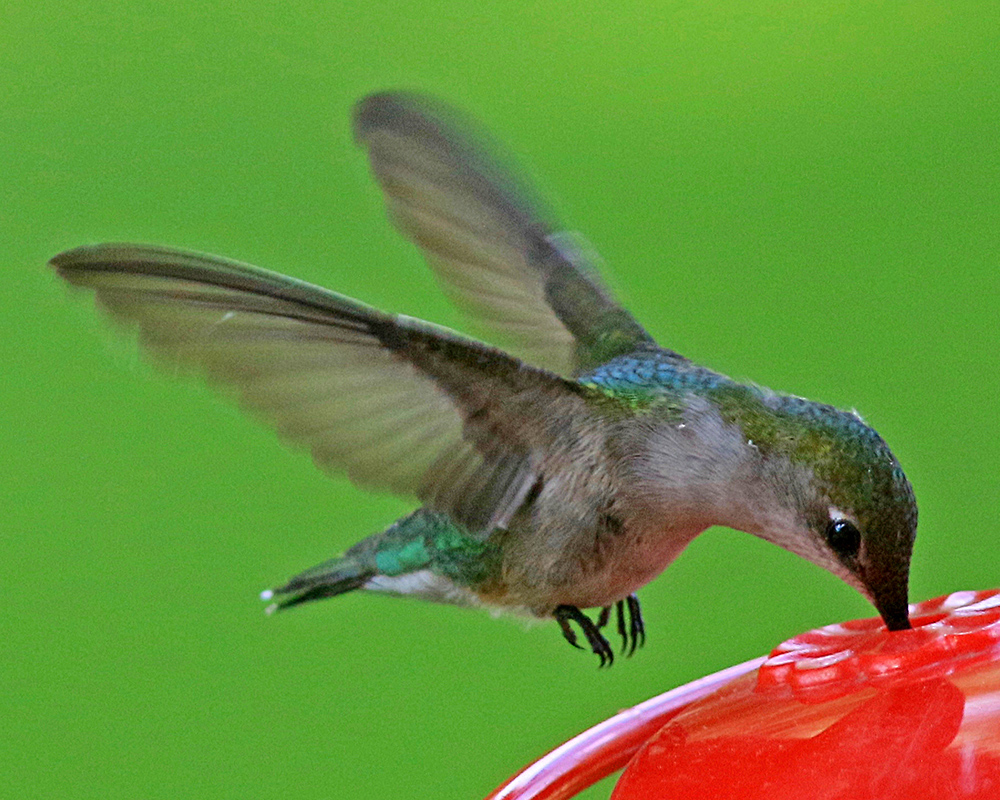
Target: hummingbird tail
425 554
333 577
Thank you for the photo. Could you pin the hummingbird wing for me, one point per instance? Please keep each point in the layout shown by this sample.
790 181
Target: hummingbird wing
397 403
491 243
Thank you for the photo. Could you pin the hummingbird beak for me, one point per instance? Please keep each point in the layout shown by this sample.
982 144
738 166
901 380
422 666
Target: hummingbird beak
889 596
896 617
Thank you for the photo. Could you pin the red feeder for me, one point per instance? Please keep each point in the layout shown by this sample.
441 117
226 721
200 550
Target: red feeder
845 712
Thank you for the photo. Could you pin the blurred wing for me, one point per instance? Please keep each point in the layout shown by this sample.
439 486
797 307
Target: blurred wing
396 403
490 242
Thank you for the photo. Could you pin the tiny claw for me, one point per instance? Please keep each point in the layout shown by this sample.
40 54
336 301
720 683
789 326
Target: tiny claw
603 617
620 614
598 644
567 631
636 626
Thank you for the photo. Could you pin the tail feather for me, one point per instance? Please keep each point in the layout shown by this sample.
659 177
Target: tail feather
333 577
425 543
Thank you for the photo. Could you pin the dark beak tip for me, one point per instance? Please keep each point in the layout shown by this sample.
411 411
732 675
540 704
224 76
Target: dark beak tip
896 616
897 623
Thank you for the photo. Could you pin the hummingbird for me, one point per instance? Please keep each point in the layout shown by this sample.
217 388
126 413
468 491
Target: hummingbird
560 473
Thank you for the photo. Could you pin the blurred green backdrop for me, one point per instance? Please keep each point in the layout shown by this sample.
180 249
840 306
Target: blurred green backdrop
801 194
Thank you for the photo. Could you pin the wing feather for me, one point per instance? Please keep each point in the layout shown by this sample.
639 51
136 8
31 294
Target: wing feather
396 403
490 241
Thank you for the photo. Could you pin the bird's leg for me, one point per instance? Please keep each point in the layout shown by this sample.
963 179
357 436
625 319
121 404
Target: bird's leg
620 615
598 644
635 634
636 628
603 618
567 630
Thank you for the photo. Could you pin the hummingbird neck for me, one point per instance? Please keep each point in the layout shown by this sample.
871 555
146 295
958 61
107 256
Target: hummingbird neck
704 469
693 471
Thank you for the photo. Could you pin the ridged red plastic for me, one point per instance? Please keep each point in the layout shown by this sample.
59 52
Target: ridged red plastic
845 712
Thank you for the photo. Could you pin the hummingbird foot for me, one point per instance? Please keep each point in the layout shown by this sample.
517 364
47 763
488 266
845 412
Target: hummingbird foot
598 644
634 633
622 630
636 630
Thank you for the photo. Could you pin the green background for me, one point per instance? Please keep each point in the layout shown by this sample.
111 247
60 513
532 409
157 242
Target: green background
800 194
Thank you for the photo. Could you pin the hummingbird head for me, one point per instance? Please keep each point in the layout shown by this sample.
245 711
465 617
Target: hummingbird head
865 517
840 498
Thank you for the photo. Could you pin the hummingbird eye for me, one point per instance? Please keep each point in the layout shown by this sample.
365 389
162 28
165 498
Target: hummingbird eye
843 538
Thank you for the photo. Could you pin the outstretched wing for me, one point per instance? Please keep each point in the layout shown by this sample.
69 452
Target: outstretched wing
396 403
494 247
